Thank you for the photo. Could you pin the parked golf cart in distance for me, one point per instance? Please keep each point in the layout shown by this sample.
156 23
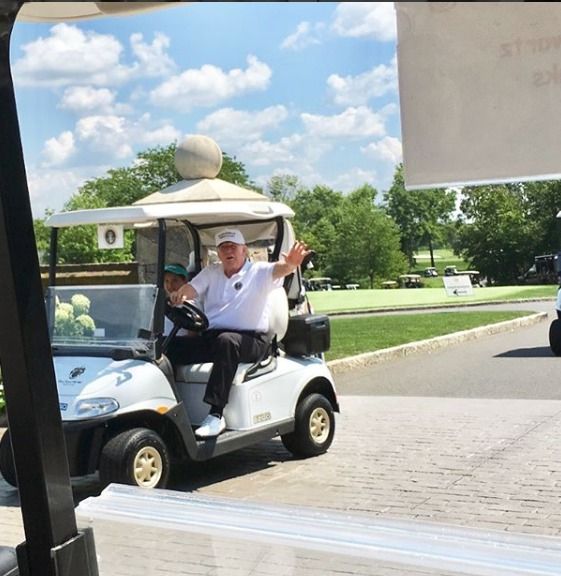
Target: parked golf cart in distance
126 411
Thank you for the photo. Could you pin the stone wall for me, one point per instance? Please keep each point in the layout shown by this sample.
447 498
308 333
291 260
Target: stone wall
96 274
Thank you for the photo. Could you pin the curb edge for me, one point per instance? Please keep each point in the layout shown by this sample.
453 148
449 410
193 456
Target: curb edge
431 344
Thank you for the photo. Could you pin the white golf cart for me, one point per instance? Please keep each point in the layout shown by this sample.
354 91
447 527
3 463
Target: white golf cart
126 411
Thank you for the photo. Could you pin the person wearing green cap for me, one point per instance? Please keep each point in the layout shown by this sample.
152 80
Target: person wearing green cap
175 275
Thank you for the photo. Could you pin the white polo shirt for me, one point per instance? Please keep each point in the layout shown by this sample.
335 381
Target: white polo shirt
239 302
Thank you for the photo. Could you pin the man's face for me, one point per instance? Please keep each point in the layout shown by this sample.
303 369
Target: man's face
172 282
232 257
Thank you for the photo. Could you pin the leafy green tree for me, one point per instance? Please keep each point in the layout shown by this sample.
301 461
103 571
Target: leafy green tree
42 238
544 203
153 169
234 171
498 237
421 215
317 213
283 187
368 241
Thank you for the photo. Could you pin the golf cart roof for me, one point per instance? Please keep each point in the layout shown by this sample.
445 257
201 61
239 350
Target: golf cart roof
199 213
67 11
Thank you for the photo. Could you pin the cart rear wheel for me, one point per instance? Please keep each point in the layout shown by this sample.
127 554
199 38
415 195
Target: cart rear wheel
138 457
314 427
7 467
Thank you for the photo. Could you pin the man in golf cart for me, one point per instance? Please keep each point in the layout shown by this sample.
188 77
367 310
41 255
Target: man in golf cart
234 294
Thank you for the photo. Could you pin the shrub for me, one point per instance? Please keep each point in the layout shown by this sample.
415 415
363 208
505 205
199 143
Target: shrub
71 318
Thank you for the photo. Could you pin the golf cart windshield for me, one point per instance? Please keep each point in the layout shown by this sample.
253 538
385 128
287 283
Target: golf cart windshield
103 319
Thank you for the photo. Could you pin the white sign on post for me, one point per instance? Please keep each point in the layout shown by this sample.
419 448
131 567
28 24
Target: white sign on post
458 285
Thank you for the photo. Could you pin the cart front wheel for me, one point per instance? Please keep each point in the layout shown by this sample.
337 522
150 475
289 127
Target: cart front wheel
138 457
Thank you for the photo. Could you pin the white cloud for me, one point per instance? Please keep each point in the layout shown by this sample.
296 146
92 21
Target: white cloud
70 55
304 36
117 136
295 154
96 140
374 20
387 149
57 150
161 136
306 174
85 99
152 58
352 179
359 122
210 85
358 90
106 134
230 127
263 153
389 110
51 188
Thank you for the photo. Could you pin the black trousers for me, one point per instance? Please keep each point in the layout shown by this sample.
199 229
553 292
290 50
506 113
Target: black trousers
225 350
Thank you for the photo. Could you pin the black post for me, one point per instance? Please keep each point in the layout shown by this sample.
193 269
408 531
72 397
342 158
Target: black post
53 545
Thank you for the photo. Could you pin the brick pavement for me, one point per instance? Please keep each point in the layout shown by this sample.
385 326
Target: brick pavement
484 463
478 463
491 464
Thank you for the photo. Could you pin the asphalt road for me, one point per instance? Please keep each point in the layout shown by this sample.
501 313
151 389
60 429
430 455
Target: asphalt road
517 364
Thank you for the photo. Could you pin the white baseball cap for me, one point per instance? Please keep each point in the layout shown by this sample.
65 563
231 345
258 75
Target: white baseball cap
229 235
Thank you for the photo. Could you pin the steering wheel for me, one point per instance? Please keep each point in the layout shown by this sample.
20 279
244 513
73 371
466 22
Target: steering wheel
187 316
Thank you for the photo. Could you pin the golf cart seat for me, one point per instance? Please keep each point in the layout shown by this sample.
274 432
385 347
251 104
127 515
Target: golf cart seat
278 323
8 561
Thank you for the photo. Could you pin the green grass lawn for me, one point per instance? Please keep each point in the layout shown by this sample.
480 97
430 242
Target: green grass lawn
352 300
351 336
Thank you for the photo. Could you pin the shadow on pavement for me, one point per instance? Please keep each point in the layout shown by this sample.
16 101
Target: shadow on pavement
191 476
81 488
186 477
537 352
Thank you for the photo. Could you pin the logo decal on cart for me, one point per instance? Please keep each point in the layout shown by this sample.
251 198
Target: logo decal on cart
75 372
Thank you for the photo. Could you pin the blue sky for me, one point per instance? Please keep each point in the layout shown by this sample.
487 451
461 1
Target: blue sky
299 88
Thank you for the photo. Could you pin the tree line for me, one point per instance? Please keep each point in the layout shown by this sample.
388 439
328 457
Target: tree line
362 236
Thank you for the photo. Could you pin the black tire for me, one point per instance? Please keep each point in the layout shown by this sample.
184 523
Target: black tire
138 457
314 427
7 467
555 337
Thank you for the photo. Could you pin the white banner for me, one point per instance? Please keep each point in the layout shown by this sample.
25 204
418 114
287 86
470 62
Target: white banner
480 91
